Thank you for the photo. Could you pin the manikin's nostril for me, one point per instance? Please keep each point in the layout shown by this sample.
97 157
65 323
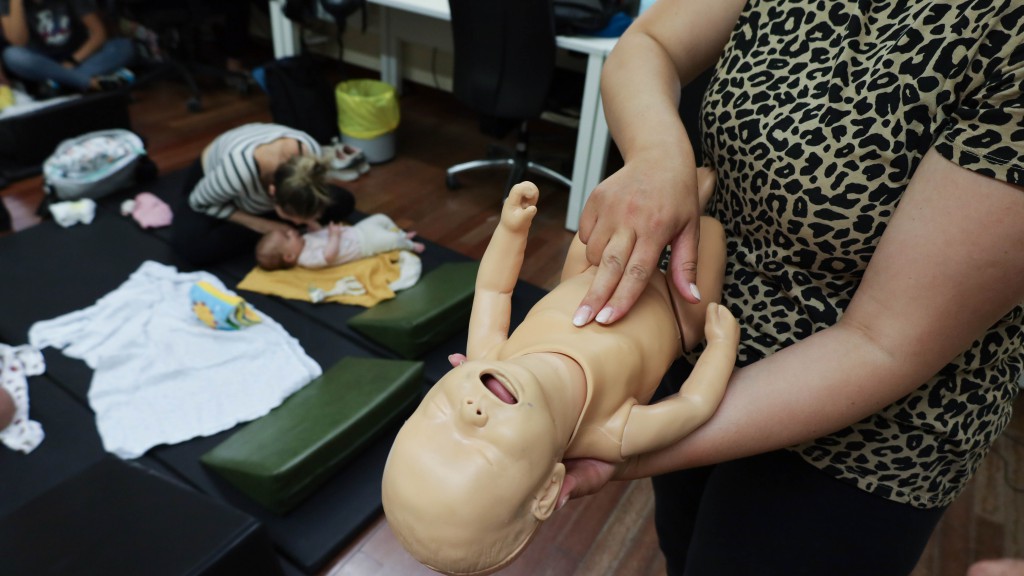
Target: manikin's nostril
475 413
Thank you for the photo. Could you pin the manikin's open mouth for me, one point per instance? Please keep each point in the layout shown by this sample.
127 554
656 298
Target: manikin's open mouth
498 389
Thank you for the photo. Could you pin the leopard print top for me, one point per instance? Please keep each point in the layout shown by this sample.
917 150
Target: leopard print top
816 117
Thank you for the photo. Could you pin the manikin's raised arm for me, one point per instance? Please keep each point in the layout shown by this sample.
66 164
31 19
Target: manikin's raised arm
499 271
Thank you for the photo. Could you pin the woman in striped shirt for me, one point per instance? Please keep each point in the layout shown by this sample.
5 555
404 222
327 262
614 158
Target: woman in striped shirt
249 181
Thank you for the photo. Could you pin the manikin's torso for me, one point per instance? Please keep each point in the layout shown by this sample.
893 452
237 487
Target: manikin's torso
623 363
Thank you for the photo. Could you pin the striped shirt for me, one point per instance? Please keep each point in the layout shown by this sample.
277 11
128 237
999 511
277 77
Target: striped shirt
231 177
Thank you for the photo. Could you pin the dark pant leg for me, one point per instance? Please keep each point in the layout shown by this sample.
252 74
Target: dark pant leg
201 239
677 498
677 494
775 514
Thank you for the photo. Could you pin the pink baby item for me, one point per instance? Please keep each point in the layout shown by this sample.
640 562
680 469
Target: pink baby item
149 211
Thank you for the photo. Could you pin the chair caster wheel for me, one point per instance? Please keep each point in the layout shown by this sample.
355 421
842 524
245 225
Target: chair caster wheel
451 181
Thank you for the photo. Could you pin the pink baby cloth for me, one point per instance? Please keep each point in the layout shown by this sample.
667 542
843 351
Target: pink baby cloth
151 212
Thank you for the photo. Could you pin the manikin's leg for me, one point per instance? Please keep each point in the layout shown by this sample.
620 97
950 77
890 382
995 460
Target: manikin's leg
710 274
710 268
575 259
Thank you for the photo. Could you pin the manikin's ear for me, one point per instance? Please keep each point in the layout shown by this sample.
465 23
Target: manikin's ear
290 257
547 496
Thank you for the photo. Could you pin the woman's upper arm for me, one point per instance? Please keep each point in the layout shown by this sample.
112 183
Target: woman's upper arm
213 194
949 265
692 32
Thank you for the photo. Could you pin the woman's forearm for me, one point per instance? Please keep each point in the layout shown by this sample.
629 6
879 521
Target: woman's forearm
254 223
14 24
97 35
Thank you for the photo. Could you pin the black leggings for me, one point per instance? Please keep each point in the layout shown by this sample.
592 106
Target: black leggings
203 240
775 514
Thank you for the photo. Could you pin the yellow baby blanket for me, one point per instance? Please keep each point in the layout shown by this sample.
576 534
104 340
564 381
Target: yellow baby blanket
374 274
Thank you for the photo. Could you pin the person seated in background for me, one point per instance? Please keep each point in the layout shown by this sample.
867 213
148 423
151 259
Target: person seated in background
334 245
63 44
478 466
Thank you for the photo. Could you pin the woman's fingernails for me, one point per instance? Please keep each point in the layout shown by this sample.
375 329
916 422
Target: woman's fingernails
604 316
582 316
561 502
694 291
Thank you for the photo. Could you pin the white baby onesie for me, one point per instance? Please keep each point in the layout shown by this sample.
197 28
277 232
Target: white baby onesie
17 363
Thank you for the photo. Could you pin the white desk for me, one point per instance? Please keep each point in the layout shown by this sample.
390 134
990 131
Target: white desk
415 22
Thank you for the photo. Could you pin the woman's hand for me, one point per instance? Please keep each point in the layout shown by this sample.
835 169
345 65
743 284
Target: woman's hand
630 217
585 476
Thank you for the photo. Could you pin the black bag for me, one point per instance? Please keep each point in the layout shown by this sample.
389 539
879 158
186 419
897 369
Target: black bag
301 97
583 16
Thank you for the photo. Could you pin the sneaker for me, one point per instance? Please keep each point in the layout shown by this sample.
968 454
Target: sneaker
117 79
348 163
344 156
349 174
47 89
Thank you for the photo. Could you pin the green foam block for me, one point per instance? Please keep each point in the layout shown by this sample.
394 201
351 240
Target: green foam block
424 316
283 457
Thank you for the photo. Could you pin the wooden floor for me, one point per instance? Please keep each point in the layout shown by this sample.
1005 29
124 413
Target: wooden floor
608 534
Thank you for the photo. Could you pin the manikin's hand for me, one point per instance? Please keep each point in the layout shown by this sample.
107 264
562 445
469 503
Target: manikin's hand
520 207
628 220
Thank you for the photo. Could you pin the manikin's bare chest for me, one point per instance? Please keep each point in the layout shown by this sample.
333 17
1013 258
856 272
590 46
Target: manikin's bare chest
623 362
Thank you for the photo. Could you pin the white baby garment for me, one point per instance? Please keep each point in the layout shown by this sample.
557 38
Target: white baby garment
161 375
16 364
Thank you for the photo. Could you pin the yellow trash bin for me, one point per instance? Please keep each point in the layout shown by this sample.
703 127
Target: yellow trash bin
368 116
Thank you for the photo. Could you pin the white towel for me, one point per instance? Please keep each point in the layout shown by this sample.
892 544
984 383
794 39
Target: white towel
162 376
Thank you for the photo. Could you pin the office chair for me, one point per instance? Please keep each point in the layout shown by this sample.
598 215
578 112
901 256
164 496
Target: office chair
178 26
504 56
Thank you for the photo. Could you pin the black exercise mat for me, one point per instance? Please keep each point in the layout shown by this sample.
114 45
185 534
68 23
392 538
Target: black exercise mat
71 445
52 271
119 518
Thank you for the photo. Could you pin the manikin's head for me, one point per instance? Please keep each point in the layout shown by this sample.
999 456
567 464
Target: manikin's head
279 249
475 469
